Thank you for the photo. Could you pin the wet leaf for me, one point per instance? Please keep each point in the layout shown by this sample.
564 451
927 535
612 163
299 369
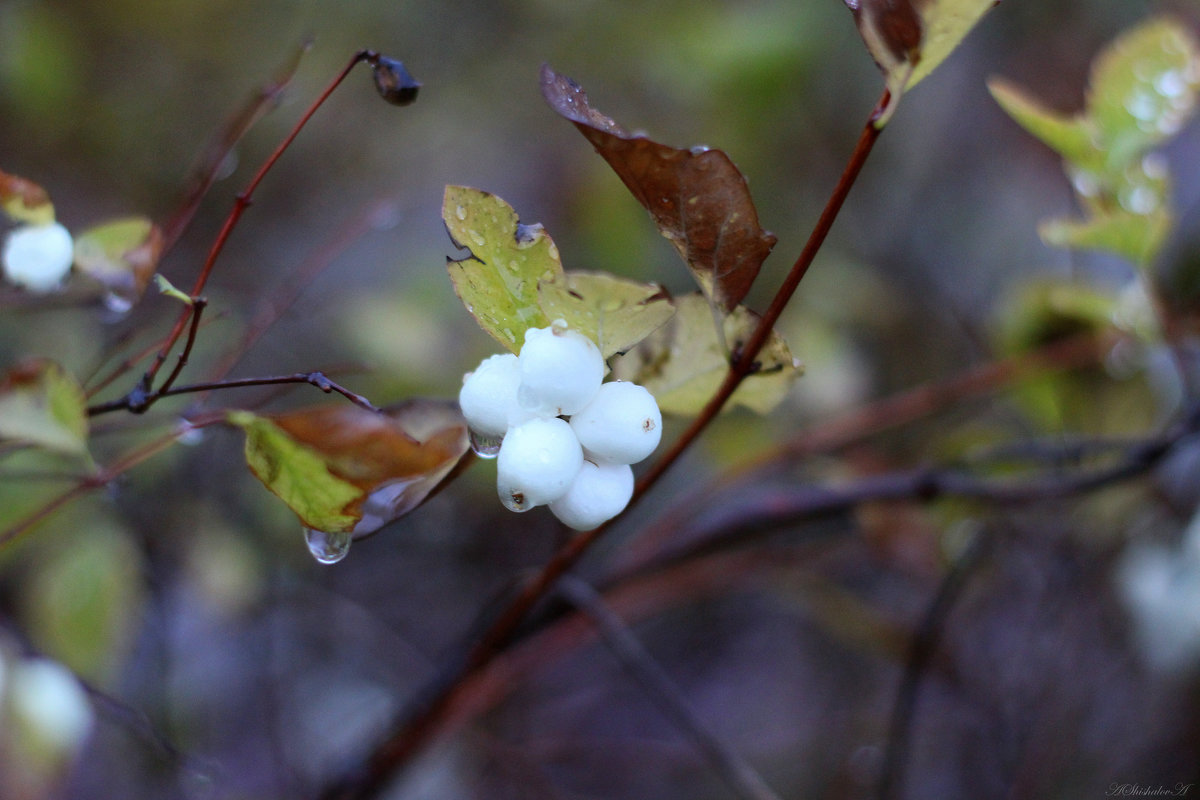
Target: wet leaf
613 312
343 469
909 38
683 363
498 282
697 198
1143 89
121 255
25 201
42 404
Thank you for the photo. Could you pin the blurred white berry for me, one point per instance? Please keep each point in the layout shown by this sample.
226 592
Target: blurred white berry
598 493
38 257
537 463
561 370
48 703
622 424
489 394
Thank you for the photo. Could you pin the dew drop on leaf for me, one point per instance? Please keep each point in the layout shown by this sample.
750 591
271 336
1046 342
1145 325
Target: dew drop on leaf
327 548
485 446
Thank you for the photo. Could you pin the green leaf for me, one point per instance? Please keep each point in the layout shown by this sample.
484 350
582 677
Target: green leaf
298 475
498 282
121 255
1143 89
613 312
683 363
909 38
42 404
1070 136
165 287
25 201
1137 237
344 469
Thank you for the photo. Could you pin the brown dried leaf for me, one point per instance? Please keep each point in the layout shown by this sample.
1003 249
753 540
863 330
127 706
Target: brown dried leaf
697 197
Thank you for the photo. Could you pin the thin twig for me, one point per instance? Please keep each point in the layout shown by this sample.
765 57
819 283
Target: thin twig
241 203
741 777
317 379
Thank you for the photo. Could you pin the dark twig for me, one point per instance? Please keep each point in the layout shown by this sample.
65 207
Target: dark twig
317 379
741 777
924 646
241 203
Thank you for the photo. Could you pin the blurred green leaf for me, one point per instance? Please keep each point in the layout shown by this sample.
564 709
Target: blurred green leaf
498 282
43 405
25 201
121 255
683 363
1143 88
82 602
613 312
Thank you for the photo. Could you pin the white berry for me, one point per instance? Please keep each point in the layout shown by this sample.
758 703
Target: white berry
38 257
599 493
538 460
622 424
561 370
489 394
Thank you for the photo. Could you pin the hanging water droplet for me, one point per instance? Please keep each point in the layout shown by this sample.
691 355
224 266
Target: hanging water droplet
117 303
486 446
327 548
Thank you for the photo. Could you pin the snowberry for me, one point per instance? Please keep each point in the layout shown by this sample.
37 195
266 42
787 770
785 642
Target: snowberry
622 424
489 394
561 370
598 493
38 257
538 460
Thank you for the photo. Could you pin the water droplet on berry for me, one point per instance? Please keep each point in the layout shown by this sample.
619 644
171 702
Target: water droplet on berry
327 548
486 446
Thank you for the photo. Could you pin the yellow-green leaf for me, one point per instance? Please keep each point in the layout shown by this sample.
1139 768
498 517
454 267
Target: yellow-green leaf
298 475
42 404
25 201
683 363
121 255
498 282
615 313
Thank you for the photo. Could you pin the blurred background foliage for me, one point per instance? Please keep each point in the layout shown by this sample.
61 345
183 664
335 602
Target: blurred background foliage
244 669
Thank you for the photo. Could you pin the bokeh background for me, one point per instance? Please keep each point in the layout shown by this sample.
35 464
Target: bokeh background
223 662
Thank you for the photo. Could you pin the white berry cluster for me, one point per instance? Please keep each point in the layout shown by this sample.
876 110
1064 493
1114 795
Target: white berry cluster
568 438
38 257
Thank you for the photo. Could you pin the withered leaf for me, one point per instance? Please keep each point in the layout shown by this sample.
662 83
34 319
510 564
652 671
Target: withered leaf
25 201
698 198
344 469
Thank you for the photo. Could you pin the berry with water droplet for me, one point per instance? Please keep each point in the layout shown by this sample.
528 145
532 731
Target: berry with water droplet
488 397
